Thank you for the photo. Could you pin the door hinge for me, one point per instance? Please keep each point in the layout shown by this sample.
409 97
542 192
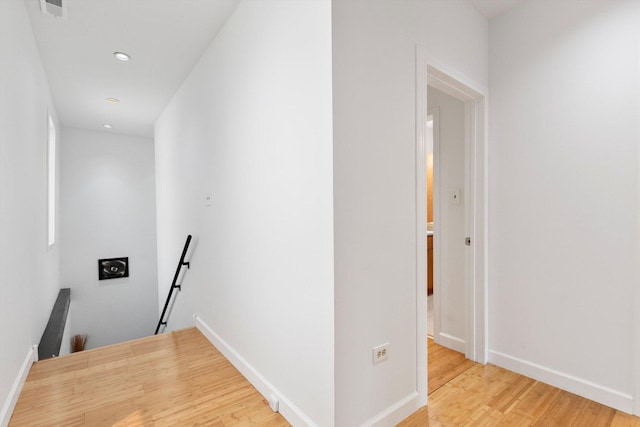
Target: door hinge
467 241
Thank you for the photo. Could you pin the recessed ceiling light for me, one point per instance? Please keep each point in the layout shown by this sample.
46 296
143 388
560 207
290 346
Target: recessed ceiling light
121 56
107 126
113 100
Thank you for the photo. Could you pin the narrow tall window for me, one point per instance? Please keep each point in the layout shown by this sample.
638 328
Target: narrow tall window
51 183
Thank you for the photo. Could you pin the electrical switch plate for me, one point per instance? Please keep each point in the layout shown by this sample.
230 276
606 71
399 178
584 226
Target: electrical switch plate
208 199
380 353
454 196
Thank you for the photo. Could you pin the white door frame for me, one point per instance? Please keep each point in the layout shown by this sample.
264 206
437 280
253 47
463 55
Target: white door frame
435 113
430 73
636 340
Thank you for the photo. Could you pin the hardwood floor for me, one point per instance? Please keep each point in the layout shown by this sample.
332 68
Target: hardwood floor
444 365
477 395
180 379
173 379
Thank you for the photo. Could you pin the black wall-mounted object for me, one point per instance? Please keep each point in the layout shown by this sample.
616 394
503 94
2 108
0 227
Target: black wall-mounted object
113 268
174 284
52 337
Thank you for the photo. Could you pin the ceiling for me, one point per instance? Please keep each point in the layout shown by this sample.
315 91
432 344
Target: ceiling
164 38
492 8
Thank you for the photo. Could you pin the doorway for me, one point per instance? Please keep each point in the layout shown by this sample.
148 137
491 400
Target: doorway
432 135
445 176
474 200
446 220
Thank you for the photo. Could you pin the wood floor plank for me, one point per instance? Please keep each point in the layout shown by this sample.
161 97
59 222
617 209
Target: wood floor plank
171 379
180 379
486 395
444 365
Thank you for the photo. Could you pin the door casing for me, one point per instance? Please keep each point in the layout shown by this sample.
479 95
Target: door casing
430 73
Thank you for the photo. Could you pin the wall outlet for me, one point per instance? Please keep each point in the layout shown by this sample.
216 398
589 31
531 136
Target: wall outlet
380 353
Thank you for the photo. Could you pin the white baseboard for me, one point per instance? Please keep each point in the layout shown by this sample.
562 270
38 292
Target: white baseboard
606 396
287 409
14 393
396 412
454 343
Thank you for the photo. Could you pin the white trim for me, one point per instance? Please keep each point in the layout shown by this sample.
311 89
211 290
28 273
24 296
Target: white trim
635 368
468 196
437 240
14 393
480 235
450 82
287 409
454 343
601 394
421 228
396 412
636 362
636 330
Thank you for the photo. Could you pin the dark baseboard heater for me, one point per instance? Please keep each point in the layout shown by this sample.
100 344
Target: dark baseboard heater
52 336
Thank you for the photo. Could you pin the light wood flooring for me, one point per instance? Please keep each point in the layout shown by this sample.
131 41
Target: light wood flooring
464 393
444 365
173 379
180 379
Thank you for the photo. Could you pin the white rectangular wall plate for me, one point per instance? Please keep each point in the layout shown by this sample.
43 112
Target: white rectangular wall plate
380 353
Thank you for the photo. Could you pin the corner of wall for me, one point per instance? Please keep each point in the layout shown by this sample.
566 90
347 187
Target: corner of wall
396 412
287 408
581 387
12 398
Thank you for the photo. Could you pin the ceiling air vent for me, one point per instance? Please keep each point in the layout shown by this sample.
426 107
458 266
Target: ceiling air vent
57 8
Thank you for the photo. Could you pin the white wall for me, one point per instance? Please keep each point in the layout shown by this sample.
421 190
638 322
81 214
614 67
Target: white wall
374 45
450 228
29 276
65 346
563 193
108 211
251 126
